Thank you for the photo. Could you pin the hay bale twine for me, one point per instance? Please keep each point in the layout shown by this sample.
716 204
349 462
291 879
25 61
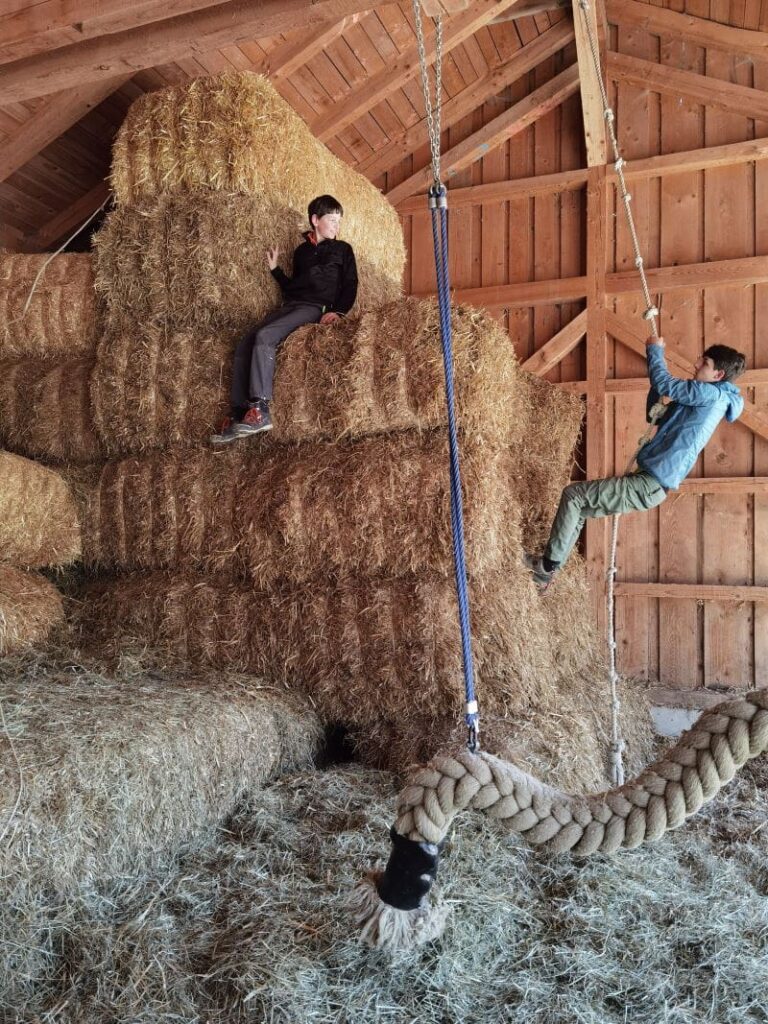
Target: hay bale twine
119 770
39 523
197 263
275 512
59 323
30 607
46 413
364 649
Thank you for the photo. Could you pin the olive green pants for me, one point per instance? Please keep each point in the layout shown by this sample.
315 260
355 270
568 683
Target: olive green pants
592 499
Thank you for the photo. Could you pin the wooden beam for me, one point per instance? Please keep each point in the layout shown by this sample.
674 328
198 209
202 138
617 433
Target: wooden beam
710 92
497 131
469 99
54 23
66 221
51 121
693 591
286 59
526 293
596 538
404 68
725 485
529 10
500 191
558 347
696 160
585 22
698 697
714 274
634 338
125 53
695 31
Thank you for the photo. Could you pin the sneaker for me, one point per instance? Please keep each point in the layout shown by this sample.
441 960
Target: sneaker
541 577
227 432
255 420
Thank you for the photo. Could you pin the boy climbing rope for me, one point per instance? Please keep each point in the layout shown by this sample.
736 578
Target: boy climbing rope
696 408
323 288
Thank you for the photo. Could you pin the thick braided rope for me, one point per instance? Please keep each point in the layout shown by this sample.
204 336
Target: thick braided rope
661 798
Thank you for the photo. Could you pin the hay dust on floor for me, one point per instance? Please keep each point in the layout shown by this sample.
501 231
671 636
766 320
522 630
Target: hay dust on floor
251 924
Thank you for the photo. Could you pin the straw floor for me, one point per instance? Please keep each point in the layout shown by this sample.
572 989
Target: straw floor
112 773
272 512
39 522
254 926
46 413
197 263
30 607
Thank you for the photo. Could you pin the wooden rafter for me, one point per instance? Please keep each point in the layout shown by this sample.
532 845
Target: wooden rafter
491 84
715 273
50 121
501 191
711 92
64 223
696 31
285 60
519 116
558 347
406 67
591 99
185 36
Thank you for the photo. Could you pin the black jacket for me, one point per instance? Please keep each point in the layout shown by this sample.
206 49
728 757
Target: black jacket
325 274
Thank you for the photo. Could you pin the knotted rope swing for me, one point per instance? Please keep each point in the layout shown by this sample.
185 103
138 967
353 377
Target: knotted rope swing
394 908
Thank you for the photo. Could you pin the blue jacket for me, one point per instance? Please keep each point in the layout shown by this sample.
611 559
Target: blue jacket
696 409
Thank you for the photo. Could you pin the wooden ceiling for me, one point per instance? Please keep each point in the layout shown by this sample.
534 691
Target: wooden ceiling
69 69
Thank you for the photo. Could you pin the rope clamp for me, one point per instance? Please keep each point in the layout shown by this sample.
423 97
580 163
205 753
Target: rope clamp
438 196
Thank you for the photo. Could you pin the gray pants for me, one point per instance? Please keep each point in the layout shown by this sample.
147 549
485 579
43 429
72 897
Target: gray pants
594 499
253 366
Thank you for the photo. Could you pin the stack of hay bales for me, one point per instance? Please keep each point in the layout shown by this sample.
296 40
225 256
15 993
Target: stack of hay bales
39 527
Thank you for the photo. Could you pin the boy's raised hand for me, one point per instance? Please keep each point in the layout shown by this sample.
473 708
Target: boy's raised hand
272 254
329 318
654 341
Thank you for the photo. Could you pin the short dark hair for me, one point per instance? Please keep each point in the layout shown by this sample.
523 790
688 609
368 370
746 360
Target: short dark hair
321 205
731 362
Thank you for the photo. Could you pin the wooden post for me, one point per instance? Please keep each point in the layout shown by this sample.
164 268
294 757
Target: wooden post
597 367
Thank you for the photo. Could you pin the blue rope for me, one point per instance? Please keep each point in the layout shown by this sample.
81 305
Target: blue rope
439 208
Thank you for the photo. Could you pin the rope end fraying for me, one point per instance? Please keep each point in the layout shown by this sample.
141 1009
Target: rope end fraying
385 927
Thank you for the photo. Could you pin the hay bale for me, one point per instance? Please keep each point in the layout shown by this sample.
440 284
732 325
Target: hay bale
39 522
290 512
30 607
59 324
382 372
71 268
197 263
119 770
46 414
364 649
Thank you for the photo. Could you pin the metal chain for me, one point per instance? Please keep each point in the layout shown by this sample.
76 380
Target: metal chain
432 111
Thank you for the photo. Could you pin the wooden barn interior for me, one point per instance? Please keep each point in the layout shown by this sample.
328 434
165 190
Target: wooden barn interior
538 239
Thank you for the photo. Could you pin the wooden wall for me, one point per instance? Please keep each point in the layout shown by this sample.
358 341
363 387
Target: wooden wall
712 533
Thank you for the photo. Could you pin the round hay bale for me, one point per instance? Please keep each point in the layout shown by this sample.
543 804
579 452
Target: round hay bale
60 322
118 770
290 512
30 607
154 388
64 269
39 523
364 649
46 413
197 263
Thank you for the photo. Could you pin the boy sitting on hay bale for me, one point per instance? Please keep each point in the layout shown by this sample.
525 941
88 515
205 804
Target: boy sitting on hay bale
696 408
323 288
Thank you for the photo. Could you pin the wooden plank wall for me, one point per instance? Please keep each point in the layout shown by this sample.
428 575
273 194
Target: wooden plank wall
684 218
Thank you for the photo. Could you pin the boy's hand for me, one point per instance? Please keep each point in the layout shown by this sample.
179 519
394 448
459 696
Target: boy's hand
272 255
654 341
329 318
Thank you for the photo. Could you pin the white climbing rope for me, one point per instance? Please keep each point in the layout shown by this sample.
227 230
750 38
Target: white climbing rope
651 313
